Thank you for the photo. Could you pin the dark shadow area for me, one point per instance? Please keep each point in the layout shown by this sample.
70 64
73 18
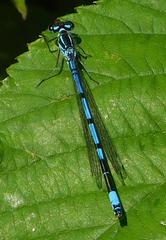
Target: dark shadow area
16 32
123 219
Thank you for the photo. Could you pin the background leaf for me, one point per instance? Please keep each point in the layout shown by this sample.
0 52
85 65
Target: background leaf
47 191
21 7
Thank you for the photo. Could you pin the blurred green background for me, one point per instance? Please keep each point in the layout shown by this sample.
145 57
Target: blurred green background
17 32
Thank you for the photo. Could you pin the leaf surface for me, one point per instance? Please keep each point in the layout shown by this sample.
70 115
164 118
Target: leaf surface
47 191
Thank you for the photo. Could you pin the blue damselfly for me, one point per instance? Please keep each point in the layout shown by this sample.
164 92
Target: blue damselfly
99 144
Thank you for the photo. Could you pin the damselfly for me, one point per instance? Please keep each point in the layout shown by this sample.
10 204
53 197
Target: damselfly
99 144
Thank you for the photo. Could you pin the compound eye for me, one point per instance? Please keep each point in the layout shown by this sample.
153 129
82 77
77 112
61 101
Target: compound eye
54 27
68 25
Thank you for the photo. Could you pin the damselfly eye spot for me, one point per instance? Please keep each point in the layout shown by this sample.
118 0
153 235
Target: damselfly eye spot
68 25
54 28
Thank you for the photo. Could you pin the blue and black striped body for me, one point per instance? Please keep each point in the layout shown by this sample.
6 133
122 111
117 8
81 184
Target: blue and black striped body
96 139
67 47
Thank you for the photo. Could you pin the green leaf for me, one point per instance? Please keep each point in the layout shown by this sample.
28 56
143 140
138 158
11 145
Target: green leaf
21 7
47 191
